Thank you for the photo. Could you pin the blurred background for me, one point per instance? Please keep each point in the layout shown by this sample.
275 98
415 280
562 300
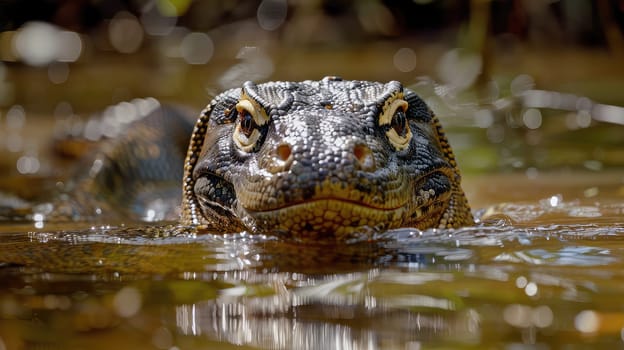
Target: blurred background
522 86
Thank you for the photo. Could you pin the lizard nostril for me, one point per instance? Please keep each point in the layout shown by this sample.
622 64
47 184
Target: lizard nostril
364 157
283 151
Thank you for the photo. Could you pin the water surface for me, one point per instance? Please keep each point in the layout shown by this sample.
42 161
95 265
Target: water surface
543 271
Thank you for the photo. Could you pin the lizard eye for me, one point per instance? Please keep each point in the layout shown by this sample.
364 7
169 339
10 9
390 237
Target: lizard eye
250 125
399 123
393 117
247 124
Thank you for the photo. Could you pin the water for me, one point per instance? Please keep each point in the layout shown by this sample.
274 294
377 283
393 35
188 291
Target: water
541 269
544 271
543 170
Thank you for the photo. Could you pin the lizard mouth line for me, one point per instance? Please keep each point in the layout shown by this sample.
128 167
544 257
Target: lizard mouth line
337 202
329 202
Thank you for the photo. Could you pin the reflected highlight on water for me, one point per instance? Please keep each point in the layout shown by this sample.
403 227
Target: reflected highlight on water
495 283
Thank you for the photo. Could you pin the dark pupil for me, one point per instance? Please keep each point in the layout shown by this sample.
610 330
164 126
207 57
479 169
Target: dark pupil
399 123
246 123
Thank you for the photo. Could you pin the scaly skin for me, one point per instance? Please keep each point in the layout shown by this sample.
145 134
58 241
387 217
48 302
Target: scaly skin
329 159
322 158
134 174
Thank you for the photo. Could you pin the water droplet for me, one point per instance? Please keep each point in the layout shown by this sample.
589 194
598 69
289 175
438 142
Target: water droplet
555 201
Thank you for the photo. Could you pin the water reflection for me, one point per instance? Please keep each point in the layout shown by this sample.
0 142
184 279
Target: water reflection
573 256
403 289
571 102
554 206
534 272
156 248
303 318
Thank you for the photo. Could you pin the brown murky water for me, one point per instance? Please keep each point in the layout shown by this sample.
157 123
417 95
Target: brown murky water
543 269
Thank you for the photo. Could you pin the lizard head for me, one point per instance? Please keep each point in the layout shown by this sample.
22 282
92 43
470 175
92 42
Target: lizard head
318 158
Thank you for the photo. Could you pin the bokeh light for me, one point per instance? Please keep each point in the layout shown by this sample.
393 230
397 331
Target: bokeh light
532 118
28 164
40 43
509 103
484 118
125 32
524 316
405 59
272 14
155 22
587 321
196 48
517 315
36 44
69 46
15 118
459 68
127 302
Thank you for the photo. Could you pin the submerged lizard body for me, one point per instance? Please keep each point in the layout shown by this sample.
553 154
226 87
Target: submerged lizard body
320 158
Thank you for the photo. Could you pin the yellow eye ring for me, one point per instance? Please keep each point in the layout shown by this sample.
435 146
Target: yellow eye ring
400 142
246 136
390 108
